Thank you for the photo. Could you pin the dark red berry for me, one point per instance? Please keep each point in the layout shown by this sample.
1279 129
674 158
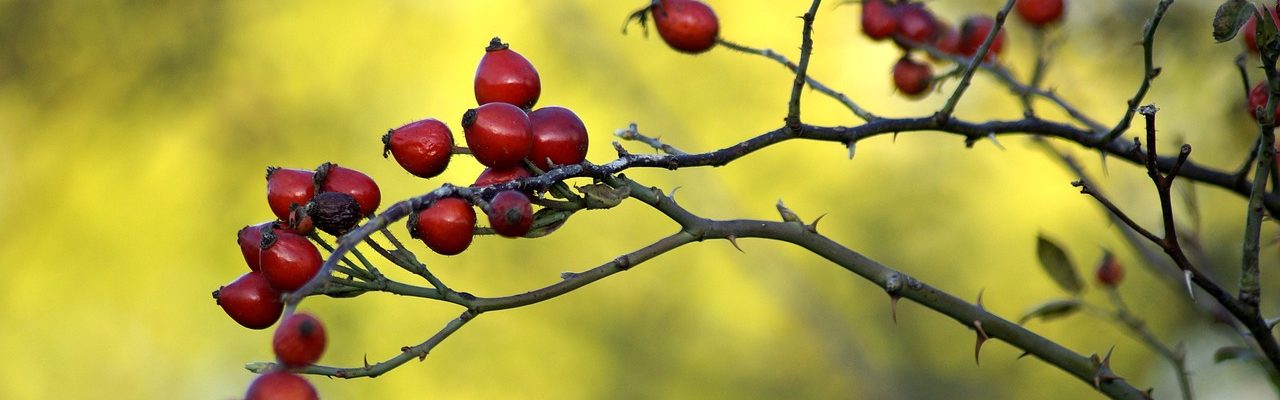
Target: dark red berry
558 135
1039 13
879 20
331 177
446 226
423 148
286 187
492 176
498 134
687 26
299 341
975 31
334 213
505 76
1258 100
510 213
1250 33
289 260
281 385
1109 271
915 24
250 301
948 41
911 77
250 238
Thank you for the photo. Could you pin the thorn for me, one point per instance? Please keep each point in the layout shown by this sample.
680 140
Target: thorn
992 137
1188 274
1024 354
893 307
366 361
1104 373
1103 155
672 195
734 240
895 137
982 338
980 306
813 226
852 147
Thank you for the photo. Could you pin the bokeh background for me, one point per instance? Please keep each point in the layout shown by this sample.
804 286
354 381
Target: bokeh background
133 138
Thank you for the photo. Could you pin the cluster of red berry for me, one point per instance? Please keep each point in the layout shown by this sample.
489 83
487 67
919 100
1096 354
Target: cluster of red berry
503 133
911 25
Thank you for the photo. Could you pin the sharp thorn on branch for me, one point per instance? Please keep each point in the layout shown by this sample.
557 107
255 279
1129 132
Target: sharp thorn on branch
813 226
734 241
982 338
1187 278
992 137
893 307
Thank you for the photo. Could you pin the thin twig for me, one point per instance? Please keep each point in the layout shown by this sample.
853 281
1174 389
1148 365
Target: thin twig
950 107
802 69
1149 72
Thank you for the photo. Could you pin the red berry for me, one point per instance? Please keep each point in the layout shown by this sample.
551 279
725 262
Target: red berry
281 385
299 341
286 187
510 213
446 226
915 24
948 41
250 301
492 176
558 134
879 20
334 178
686 25
498 134
1258 99
289 261
911 77
1039 13
423 148
1250 33
974 32
1109 271
505 76
250 238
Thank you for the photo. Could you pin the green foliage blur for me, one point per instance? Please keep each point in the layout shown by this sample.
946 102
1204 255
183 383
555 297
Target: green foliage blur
134 136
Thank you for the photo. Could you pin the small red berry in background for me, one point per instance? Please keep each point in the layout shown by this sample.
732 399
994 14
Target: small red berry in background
498 134
446 226
491 176
558 135
281 385
1039 13
289 260
250 301
286 187
1258 100
422 147
299 341
1109 271
911 77
510 213
974 31
1250 33
915 24
334 178
505 76
687 26
948 41
299 222
879 20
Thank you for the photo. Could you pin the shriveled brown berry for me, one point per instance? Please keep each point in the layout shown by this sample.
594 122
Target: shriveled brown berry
334 213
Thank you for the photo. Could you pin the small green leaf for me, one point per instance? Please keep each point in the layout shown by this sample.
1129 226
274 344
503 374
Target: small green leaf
1232 353
1231 15
1058 265
600 196
1051 310
546 221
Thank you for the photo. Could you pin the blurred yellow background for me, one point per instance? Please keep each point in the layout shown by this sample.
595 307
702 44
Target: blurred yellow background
134 135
